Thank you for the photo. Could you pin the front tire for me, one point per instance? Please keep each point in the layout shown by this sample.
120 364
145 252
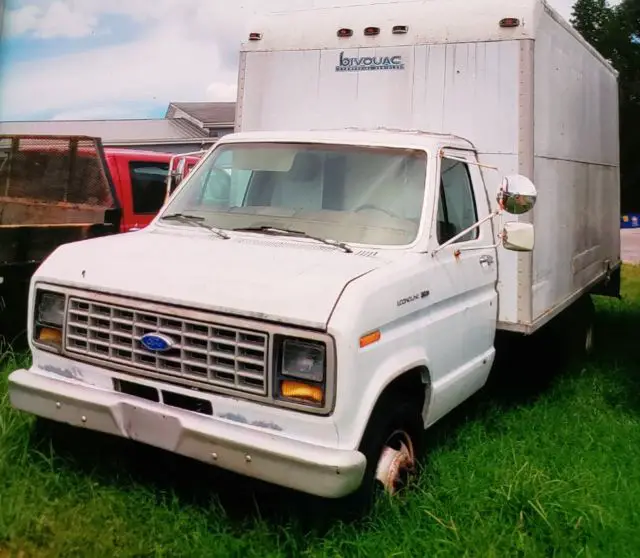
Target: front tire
393 445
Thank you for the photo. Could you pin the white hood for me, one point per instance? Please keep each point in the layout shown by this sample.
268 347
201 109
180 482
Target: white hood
261 277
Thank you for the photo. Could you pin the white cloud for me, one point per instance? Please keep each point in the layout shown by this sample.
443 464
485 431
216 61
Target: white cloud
188 53
58 19
21 21
98 112
221 92
164 65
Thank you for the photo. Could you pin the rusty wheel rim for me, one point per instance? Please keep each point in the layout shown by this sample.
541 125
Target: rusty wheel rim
396 463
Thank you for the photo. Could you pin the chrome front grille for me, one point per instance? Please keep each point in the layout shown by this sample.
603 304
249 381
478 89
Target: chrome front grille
204 353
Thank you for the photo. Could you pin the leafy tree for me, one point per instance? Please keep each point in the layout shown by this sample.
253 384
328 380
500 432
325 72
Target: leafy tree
615 31
592 18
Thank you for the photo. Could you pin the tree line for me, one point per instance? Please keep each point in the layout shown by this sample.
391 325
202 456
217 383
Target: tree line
614 30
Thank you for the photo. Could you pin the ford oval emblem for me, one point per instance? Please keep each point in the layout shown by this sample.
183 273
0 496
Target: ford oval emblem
156 342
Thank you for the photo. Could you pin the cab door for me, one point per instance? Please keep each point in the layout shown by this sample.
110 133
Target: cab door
469 267
144 178
123 190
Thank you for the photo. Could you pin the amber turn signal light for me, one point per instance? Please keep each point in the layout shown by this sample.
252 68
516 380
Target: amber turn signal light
370 338
300 390
50 335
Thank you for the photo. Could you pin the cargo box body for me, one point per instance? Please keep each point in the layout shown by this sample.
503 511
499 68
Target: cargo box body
534 99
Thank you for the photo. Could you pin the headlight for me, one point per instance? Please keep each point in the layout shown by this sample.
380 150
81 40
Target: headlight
48 318
304 360
302 371
50 309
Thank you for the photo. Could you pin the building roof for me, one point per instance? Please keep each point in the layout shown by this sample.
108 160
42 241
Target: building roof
205 115
115 132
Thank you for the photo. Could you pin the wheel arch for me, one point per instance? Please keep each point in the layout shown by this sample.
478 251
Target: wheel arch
413 384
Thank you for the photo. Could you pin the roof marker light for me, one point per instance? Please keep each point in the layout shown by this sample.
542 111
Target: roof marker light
255 36
400 29
371 31
344 32
509 22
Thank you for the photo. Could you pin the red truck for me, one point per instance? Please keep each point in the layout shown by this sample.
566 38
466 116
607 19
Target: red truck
140 181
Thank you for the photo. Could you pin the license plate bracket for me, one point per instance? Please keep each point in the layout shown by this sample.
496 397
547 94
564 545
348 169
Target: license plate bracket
151 427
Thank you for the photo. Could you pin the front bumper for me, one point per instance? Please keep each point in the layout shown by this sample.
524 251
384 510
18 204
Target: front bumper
318 470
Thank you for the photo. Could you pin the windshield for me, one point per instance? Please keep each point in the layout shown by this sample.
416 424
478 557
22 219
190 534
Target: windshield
347 193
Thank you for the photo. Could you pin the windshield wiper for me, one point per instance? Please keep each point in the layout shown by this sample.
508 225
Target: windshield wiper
194 220
300 234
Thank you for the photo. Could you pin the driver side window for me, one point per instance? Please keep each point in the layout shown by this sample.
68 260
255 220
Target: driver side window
456 203
224 187
217 190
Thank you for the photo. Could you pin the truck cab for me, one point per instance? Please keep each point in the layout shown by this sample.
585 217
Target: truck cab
140 179
384 285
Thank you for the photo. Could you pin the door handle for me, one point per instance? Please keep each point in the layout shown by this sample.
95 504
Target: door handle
486 260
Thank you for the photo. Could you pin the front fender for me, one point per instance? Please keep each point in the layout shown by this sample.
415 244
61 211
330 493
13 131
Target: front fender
359 390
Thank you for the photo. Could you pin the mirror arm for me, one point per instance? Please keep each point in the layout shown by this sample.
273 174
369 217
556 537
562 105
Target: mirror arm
491 215
170 174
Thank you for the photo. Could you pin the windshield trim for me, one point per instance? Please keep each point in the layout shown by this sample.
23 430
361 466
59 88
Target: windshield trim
230 142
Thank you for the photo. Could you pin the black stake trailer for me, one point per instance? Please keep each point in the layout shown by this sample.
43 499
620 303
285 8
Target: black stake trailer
53 190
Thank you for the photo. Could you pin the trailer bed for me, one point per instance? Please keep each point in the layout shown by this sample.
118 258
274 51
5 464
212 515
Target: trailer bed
53 190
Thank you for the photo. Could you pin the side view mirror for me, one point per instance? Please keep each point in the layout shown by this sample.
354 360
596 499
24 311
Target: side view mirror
177 178
517 194
518 237
179 173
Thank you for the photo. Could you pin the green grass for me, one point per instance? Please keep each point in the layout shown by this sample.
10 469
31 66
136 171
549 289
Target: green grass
544 464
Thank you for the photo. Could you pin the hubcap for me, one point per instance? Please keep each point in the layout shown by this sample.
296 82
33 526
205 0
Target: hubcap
396 463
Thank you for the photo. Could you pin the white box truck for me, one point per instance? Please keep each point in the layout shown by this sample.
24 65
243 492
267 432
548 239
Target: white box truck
330 280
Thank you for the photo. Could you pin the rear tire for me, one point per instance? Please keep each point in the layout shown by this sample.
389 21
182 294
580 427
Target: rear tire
572 333
581 327
590 318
